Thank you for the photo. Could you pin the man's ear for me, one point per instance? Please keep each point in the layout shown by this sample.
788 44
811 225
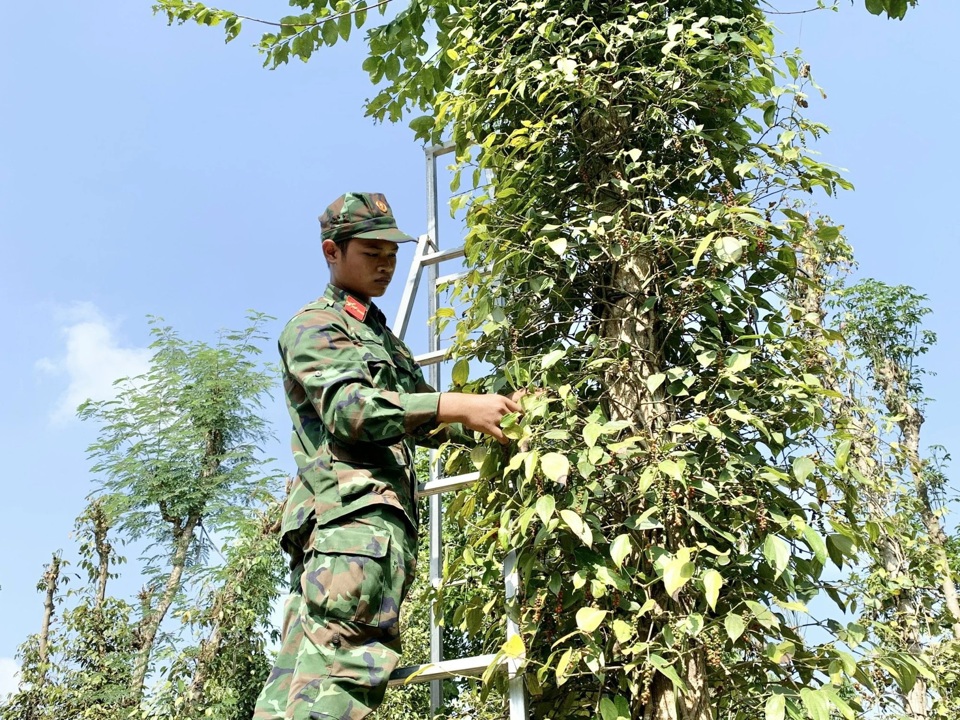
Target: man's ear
331 251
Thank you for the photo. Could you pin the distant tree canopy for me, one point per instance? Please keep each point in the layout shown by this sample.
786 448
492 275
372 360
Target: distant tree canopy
176 462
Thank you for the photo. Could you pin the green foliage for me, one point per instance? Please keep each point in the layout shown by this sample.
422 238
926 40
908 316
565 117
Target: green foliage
643 234
181 441
686 474
177 458
463 699
222 675
894 9
884 324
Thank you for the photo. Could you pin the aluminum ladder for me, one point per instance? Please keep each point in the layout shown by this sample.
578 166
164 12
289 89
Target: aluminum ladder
428 257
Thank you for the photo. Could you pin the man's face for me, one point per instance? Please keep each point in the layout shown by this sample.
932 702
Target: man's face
362 267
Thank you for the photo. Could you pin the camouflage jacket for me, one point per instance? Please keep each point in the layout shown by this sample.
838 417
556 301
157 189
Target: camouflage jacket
359 404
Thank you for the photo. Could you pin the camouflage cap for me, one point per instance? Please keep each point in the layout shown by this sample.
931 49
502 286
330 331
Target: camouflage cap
360 215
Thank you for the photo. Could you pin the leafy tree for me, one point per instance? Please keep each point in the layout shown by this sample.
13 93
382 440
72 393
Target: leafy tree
912 600
178 463
681 485
177 455
222 675
37 696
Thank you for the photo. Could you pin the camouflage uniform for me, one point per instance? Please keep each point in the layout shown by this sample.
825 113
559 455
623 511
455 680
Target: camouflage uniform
359 404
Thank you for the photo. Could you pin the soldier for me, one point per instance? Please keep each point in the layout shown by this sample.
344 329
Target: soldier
359 405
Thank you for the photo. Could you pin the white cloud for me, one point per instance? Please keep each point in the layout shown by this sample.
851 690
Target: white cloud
92 362
9 677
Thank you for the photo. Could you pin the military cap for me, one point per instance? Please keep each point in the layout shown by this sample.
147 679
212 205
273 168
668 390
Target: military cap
360 215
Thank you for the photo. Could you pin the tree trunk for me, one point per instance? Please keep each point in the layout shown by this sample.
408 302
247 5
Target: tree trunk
864 448
102 545
892 380
629 323
226 597
151 621
52 578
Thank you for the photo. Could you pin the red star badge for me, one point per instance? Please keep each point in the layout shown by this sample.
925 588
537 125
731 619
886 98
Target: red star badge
355 308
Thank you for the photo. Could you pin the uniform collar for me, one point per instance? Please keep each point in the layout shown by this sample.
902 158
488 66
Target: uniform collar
354 306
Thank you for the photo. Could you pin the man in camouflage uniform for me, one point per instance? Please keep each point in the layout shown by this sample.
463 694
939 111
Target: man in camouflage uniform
359 405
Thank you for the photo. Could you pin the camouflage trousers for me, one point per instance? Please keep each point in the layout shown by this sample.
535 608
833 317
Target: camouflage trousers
341 632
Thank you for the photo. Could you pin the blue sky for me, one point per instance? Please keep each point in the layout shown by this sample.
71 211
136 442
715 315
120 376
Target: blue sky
147 170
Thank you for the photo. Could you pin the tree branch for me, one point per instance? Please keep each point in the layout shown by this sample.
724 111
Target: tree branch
318 22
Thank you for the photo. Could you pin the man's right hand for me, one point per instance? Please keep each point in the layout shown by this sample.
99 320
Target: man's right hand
482 413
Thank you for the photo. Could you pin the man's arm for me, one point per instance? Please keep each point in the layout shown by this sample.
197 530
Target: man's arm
334 374
482 413
477 412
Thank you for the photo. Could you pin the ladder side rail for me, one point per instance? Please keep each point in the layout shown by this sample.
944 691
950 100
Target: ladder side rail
517 691
436 502
427 257
410 288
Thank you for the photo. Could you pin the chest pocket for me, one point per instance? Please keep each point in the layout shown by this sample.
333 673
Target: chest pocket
407 373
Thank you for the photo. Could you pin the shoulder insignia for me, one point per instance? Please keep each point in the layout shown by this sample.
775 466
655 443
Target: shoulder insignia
354 308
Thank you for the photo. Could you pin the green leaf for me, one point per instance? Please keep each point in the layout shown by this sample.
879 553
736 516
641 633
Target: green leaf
792 66
551 358
702 248
763 615
829 233
667 670
875 7
345 26
728 249
770 113
478 453
816 543
777 553
589 618
734 626
815 703
563 665
672 468
738 362
330 31
461 372
579 528
555 466
514 647
839 547
545 507
678 572
591 432
802 468
422 125
842 455
620 548
712 582
776 707
608 709
654 381
559 245
360 16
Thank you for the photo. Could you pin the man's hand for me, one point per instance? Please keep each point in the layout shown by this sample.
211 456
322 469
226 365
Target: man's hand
477 412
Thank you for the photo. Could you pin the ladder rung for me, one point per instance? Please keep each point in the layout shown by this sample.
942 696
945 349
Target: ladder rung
452 278
449 484
438 257
431 358
442 670
437 150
